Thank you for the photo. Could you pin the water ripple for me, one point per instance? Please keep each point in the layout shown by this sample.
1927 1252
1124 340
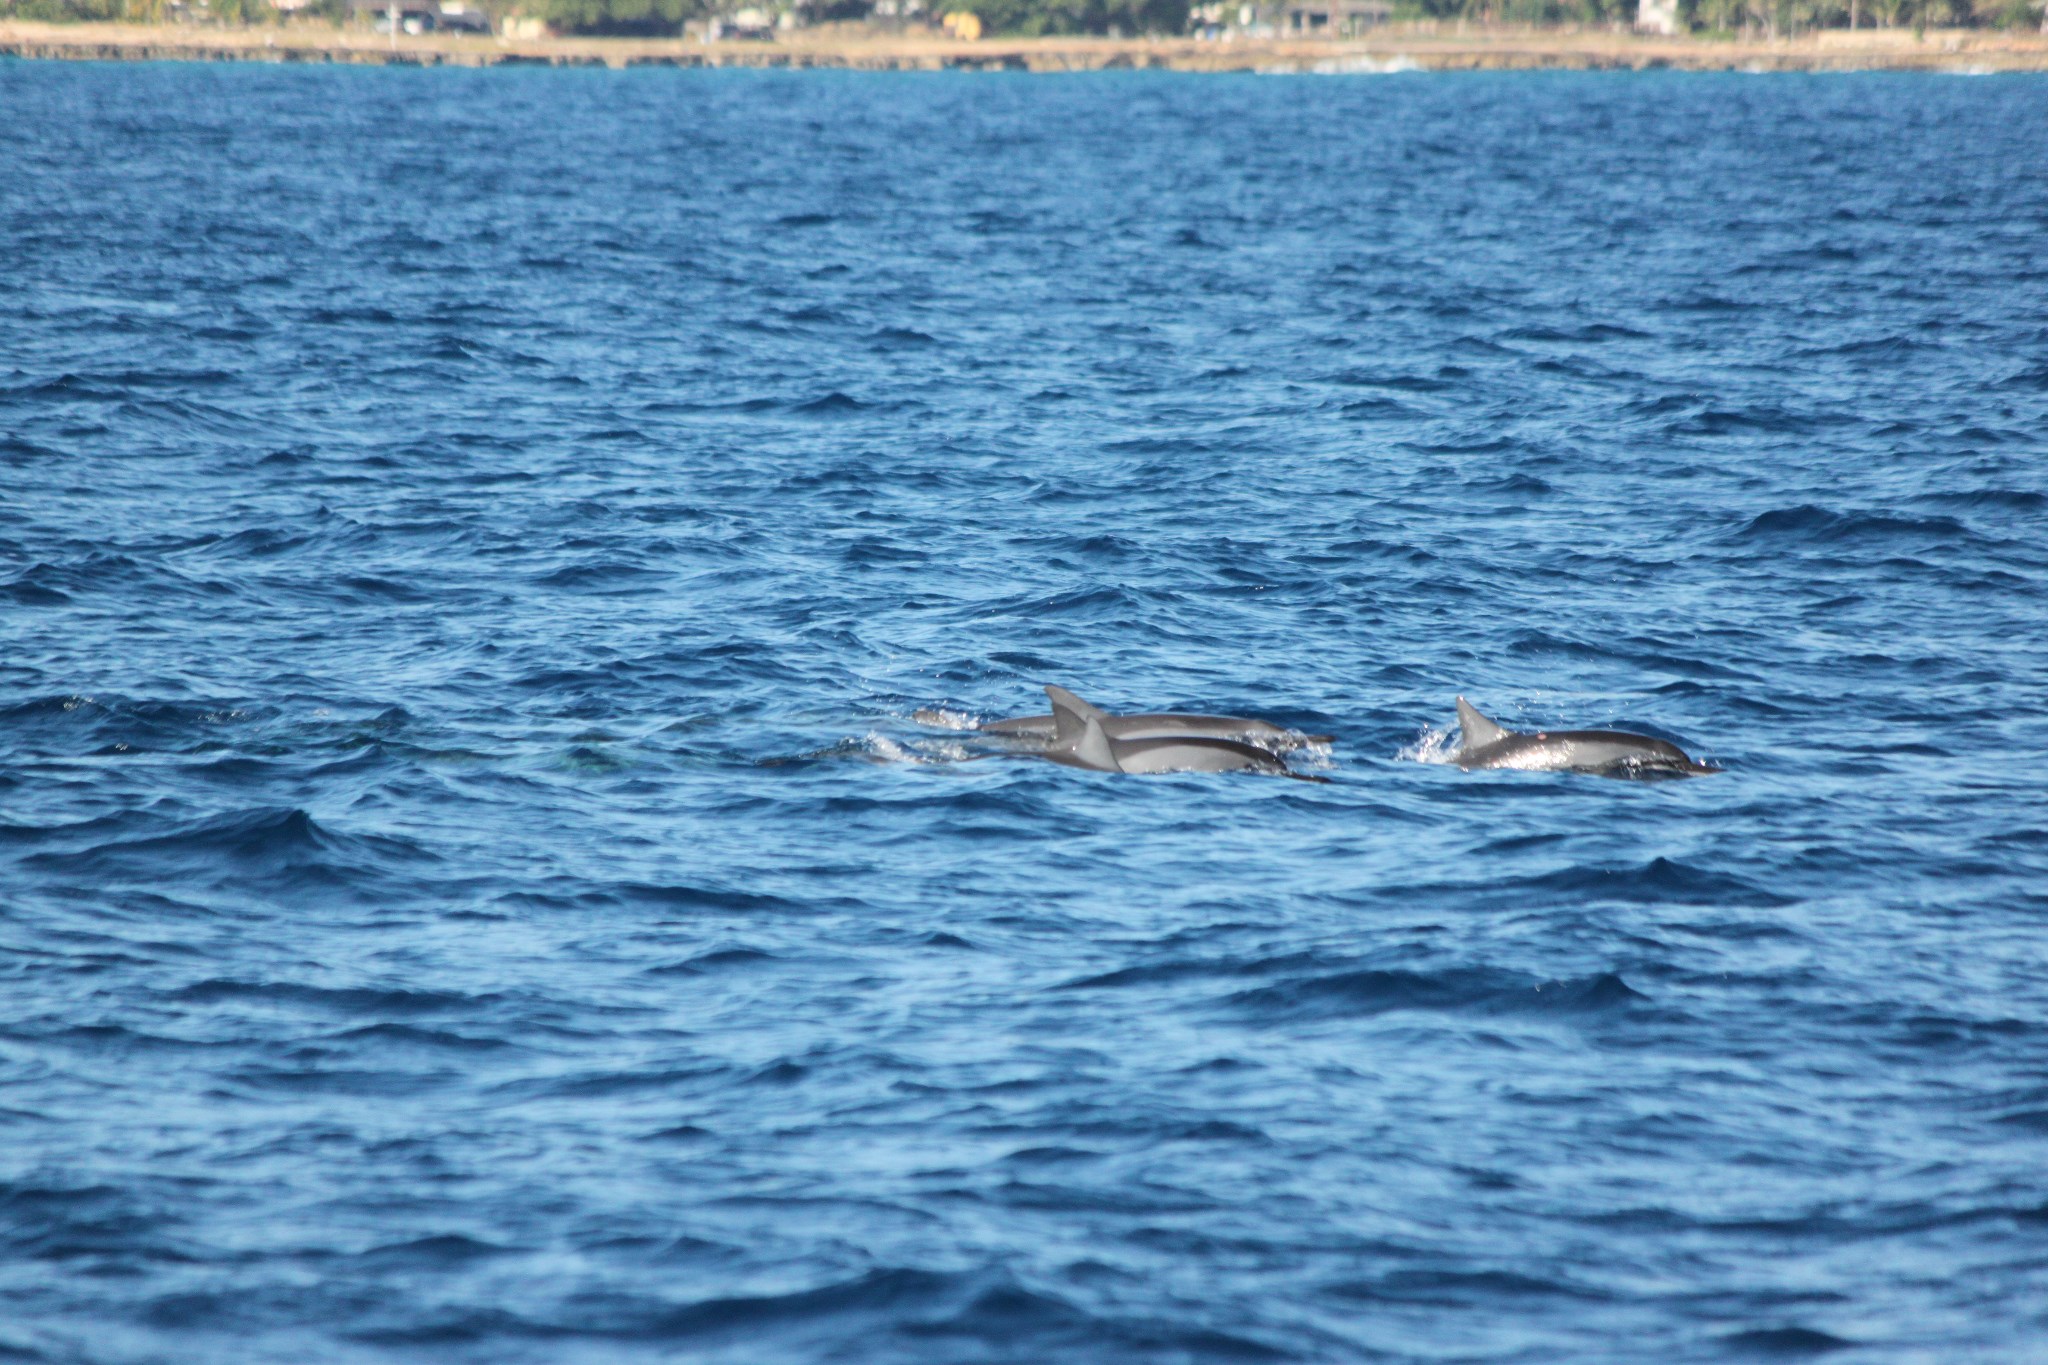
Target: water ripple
501 578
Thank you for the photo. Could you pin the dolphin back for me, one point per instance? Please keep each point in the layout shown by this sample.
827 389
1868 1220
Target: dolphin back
1607 753
1027 727
1193 754
1158 724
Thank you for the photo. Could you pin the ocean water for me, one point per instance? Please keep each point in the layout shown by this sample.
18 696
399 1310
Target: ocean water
478 552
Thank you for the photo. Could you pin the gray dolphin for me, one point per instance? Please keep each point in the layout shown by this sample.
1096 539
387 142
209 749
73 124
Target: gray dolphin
1610 753
1081 739
1163 725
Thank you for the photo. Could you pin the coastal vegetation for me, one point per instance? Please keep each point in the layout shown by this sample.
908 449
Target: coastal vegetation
1033 18
615 18
160 11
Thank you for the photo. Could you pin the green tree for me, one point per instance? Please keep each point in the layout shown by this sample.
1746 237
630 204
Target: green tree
1032 18
621 18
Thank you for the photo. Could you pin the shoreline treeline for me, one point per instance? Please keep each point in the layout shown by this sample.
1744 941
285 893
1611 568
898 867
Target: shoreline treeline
1116 18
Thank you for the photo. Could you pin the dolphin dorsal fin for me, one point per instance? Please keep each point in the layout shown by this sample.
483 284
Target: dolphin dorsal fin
1478 730
1070 715
1094 749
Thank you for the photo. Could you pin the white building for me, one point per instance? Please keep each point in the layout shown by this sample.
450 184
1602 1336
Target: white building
1657 16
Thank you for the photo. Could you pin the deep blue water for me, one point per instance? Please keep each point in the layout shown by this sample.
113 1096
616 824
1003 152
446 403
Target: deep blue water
474 887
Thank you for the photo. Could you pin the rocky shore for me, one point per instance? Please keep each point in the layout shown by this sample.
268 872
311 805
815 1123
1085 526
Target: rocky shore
1396 48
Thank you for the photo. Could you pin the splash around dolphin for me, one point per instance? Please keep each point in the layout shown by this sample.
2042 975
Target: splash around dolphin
1607 753
1082 739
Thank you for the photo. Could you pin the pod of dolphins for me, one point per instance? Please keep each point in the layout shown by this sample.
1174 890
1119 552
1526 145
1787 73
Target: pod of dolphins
1079 735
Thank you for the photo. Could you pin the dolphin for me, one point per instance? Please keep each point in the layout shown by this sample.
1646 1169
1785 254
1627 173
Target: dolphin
1610 753
1163 725
1082 740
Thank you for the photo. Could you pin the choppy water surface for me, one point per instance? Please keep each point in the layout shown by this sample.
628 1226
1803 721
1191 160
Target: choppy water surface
473 546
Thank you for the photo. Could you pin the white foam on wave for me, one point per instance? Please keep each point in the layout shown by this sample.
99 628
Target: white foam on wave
1432 745
944 718
1313 755
1365 66
1343 66
886 750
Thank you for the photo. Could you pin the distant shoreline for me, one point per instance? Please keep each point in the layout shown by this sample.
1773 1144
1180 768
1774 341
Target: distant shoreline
1397 48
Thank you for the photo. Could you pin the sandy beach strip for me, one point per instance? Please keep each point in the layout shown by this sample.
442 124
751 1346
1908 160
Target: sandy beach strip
1396 48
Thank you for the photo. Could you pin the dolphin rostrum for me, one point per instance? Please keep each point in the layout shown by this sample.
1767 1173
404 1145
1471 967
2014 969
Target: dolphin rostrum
1081 739
1164 725
1611 753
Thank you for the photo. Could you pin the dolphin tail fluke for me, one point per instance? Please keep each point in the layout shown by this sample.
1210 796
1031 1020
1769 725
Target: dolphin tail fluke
1070 715
1478 731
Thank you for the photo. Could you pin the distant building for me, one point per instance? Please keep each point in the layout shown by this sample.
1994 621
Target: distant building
751 24
423 16
463 18
1331 18
1657 16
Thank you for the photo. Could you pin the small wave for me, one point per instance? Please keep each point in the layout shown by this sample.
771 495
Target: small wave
1381 549
601 576
1472 990
1378 410
1801 258
875 550
978 1314
373 588
1517 485
1764 420
65 386
1883 349
415 1037
1186 969
1786 1342
2013 499
722 959
1493 445
1665 405
443 1251
18 450
350 1000
900 338
281 847
814 313
104 571
1590 334
685 897
1811 523
25 592
1659 881
1402 383
1459 1288
834 404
